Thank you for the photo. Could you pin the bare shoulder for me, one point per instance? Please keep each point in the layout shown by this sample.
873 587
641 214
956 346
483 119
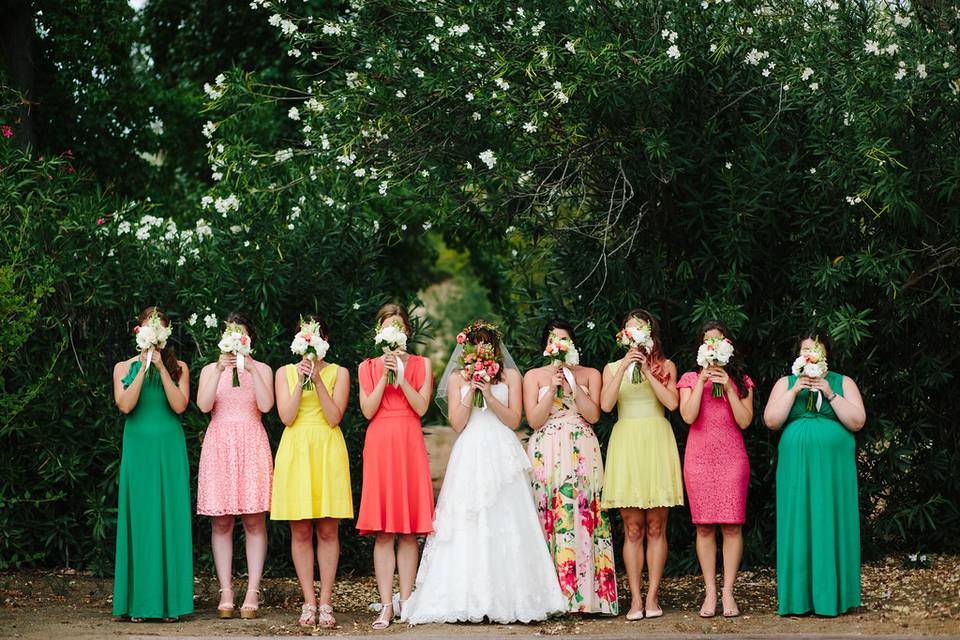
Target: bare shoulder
124 364
264 368
183 367
537 374
512 375
586 372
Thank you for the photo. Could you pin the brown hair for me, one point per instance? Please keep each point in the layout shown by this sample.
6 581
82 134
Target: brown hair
168 354
656 357
556 323
310 317
237 317
393 309
818 335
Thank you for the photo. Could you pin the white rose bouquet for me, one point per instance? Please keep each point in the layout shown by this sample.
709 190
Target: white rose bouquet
392 339
235 340
638 337
561 352
811 363
309 344
715 352
152 336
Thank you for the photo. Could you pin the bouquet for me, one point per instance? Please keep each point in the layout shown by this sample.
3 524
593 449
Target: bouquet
715 352
236 340
638 337
812 363
391 338
560 352
151 336
309 344
479 362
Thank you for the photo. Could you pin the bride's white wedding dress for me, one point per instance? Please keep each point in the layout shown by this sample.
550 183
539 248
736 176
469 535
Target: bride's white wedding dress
487 557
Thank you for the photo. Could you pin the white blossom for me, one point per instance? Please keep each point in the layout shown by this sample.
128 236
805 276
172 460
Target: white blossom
530 127
476 115
488 158
503 84
673 52
872 46
459 30
807 72
210 321
591 325
401 93
469 96
206 201
225 205
427 225
569 46
360 172
209 129
666 34
293 113
283 155
331 29
156 126
417 71
192 320
922 70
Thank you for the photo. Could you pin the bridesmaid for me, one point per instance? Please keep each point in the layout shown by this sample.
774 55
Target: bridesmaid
311 478
643 477
236 466
153 577
568 477
818 522
396 503
715 466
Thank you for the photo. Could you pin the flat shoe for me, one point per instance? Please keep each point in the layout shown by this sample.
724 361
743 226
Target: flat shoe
656 613
633 617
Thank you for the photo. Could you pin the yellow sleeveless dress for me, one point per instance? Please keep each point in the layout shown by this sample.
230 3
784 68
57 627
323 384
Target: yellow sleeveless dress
311 474
643 464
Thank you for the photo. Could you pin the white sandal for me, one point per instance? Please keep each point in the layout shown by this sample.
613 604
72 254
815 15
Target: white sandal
384 620
308 615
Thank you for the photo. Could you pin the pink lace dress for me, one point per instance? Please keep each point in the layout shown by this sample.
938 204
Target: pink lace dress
236 465
716 470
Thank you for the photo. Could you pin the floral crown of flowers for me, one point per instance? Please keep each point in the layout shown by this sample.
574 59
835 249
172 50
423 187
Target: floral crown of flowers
480 325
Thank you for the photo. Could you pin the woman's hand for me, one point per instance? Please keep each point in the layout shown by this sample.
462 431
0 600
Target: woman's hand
557 379
309 368
803 382
225 361
634 356
482 386
157 360
390 363
719 376
704 375
819 384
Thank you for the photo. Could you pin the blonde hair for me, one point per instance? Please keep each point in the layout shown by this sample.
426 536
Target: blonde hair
393 309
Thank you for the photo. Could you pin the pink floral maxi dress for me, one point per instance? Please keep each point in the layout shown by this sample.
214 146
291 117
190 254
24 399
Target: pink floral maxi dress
236 465
567 481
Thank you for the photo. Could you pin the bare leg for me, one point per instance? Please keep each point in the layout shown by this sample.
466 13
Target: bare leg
221 540
732 553
408 558
255 536
384 565
656 556
634 531
328 555
707 554
301 548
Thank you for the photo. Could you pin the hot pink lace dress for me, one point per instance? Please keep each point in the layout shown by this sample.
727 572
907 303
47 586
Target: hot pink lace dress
236 465
716 470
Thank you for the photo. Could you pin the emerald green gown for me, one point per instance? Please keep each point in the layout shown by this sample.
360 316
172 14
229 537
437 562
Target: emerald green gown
818 522
153 577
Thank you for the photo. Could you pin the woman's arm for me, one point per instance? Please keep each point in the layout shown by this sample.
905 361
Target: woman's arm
288 399
458 408
126 399
742 407
781 401
848 407
667 392
370 403
177 391
209 379
537 408
691 397
419 399
335 405
586 405
610 392
508 414
262 375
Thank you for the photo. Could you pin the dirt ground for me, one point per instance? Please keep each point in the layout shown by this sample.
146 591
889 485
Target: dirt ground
897 602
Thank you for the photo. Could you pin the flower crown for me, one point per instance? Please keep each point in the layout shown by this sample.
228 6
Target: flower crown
478 326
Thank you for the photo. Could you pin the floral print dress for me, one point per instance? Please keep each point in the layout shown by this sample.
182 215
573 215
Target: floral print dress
567 482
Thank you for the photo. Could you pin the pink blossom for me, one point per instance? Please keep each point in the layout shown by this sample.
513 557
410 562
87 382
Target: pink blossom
7 130
100 221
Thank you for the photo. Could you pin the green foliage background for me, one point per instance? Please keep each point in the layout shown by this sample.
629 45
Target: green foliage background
692 185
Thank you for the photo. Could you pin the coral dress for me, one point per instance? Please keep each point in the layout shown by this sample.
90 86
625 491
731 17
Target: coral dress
311 478
567 480
643 463
236 464
153 575
818 517
716 469
397 494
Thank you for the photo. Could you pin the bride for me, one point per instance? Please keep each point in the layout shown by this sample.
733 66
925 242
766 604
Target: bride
487 557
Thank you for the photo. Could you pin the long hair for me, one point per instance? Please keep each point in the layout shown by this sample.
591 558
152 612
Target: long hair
736 368
393 309
556 323
311 317
655 357
168 354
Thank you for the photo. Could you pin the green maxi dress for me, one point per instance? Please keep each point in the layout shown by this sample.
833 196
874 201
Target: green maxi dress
818 522
153 577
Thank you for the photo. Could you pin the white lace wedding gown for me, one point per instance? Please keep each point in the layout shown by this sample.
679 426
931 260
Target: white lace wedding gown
487 557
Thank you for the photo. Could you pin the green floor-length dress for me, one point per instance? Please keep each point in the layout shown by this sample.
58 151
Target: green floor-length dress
818 522
153 576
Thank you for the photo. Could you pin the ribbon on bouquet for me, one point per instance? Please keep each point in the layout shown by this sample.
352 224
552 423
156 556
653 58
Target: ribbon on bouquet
819 400
240 362
399 377
571 381
149 359
630 368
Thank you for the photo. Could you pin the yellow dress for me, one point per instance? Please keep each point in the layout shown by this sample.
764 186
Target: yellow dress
311 474
643 465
